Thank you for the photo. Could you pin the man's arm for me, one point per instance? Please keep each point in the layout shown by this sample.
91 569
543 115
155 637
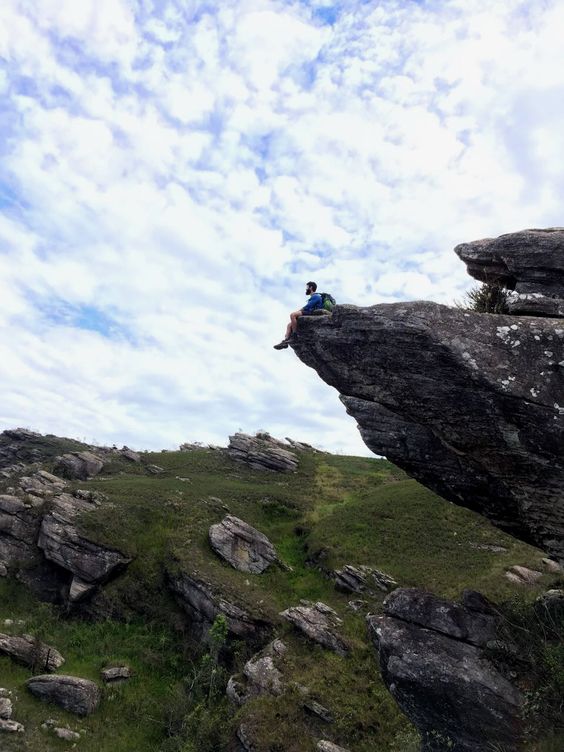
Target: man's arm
313 303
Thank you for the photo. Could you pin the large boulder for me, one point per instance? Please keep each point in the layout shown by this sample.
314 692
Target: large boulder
80 696
363 579
320 623
530 263
203 602
432 660
78 465
469 404
261 675
262 452
62 542
31 652
241 545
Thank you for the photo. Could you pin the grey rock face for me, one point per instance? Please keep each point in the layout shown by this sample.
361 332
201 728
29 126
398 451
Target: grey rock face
78 465
260 675
62 543
319 622
244 547
530 262
455 697
523 575
41 484
31 652
363 579
80 696
262 453
202 603
5 708
469 404
19 528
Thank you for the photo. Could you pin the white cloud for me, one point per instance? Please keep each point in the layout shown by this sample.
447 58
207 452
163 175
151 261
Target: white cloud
173 179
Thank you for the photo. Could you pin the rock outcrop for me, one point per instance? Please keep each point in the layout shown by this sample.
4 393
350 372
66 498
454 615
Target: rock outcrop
90 563
241 545
529 263
202 603
470 404
80 696
31 652
261 676
363 579
433 662
19 527
78 465
262 452
319 622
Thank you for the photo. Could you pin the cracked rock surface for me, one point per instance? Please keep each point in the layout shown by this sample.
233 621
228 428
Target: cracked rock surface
80 696
433 663
319 622
262 453
241 545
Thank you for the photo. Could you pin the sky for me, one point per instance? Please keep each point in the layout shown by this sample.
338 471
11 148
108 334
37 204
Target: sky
172 172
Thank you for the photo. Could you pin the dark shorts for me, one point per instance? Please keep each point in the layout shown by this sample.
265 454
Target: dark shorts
315 312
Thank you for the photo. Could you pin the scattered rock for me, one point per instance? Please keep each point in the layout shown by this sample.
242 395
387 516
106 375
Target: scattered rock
552 566
130 455
363 579
522 575
78 465
318 710
154 469
262 453
80 696
325 746
31 652
319 622
41 484
241 545
442 681
66 734
11 727
488 547
3 570
116 674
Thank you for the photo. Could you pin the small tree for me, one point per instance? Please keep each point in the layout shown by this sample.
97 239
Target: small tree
487 298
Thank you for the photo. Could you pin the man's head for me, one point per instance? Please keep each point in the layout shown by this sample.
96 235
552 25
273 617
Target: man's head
310 288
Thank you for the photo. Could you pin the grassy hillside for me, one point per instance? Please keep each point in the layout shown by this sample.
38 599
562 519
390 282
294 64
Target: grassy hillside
335 510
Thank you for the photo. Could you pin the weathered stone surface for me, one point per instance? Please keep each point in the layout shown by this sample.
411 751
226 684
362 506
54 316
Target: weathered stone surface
363 579
261 675
62 543
80 696
31 652
130 455
262 453
78 465
114 674
244 547
431 612
5 708
318 710
202 602
523 575
11 727
455 697
19 528
41 484
530 262
470 404
67 734
552 566
319 622
551 605
325 746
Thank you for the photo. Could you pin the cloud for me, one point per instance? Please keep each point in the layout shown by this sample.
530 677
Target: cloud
174 172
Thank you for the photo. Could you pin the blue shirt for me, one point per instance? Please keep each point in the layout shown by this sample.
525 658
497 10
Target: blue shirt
315 301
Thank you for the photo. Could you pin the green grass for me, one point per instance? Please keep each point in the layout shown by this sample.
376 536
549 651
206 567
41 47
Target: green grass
335 510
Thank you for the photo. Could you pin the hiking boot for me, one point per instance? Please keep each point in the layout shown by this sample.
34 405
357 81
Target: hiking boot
282 345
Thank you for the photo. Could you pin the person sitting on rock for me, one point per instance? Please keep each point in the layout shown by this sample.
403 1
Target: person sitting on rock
314 303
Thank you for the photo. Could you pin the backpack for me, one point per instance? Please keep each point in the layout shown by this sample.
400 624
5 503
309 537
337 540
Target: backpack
327 301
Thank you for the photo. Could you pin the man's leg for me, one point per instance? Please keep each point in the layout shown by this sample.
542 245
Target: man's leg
290 329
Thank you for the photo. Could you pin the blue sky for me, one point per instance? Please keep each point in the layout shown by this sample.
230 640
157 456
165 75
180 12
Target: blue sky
171 173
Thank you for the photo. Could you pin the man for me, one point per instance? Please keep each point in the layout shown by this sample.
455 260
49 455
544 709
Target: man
315 301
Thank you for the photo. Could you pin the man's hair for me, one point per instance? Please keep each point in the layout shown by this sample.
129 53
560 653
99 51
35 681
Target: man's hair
312 285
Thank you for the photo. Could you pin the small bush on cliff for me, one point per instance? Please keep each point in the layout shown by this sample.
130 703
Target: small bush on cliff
485 299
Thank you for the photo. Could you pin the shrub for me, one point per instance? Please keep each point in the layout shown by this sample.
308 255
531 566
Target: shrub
487 298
